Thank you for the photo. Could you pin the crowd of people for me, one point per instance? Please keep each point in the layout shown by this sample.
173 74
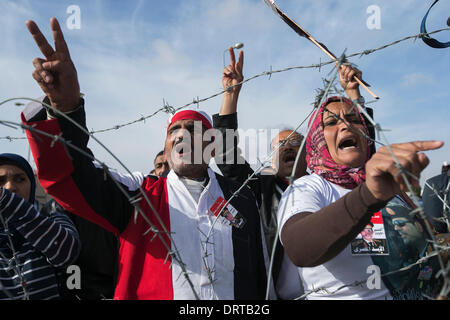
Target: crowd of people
184 231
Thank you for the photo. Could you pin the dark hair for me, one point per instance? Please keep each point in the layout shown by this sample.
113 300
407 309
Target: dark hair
159 154
399 211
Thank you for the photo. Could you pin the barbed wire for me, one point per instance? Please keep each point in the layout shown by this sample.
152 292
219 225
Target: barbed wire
11 139
13 262
58 138
356 283
444 269
420 210
390 273
317 290
196 101
133 201
323 95
170 109
405 173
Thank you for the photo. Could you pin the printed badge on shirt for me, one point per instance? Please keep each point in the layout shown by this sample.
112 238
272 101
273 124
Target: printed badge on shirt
372 239
228 215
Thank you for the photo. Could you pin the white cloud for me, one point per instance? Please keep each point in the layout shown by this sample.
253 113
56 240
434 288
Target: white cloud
417 79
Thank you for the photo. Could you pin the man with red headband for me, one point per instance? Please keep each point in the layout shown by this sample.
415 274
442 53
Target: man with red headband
175 239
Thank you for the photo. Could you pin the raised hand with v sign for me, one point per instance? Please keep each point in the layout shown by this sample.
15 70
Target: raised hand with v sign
56 74
231 77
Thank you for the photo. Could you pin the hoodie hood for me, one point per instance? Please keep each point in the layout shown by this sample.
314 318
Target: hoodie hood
18 161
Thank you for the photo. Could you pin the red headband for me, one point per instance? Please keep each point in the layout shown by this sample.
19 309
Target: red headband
190 115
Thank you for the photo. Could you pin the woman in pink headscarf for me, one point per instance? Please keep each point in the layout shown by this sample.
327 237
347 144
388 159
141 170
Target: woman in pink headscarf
322 213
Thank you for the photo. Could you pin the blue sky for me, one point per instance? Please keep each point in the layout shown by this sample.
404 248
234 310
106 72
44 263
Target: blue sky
131 55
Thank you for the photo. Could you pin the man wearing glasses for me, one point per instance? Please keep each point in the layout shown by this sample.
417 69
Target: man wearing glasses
407 242
411 232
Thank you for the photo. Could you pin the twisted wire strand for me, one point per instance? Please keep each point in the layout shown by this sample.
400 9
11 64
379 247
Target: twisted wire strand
173 253
170 109
444 270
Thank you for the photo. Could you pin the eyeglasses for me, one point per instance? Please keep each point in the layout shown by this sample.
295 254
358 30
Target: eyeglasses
399 223
292 143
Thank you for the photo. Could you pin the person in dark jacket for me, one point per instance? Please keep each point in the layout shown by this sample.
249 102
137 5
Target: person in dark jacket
34 246
269 185
435 208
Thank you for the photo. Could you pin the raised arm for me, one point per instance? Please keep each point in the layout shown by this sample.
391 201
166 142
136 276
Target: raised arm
232 76
56 74
351 87
229 160
68 175
347 81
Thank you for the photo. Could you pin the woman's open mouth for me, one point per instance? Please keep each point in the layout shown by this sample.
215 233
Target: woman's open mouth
349 143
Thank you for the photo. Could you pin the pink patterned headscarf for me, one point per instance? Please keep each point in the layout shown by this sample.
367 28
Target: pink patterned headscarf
318 157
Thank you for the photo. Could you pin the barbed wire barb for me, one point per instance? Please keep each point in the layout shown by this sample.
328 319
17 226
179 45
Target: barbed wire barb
319 65
173 251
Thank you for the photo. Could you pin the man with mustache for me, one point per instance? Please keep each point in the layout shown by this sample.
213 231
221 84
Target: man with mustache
173 244
161 165
267 188
367 244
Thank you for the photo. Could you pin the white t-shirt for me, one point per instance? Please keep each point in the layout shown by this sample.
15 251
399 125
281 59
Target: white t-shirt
310 194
